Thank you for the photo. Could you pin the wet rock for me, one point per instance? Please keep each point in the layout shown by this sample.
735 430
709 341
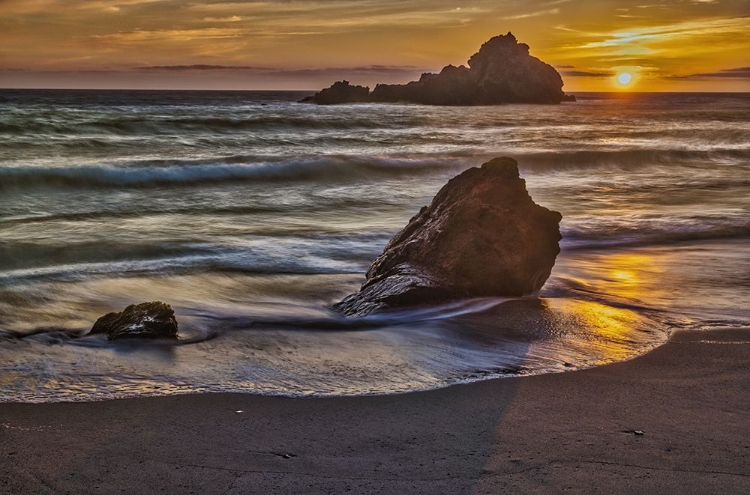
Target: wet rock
149 320
502 71
482 235
339 92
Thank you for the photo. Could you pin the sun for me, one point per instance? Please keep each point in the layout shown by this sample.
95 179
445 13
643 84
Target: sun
624 78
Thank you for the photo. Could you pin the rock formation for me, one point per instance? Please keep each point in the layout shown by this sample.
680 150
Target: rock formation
339 92
482 235
502 71
149 320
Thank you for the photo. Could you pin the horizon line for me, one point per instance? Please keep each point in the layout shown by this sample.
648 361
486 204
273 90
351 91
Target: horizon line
47 88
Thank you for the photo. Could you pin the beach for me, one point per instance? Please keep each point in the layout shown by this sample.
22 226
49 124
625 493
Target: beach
571 432
295 247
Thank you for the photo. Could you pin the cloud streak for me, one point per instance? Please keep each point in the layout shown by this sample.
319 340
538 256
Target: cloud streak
532 14
584 73
736 73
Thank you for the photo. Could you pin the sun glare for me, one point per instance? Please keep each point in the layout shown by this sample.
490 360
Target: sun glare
624 78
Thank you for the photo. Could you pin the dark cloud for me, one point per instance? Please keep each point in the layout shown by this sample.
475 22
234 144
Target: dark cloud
584 73
736 73
365 69
203 67
379 69
210 76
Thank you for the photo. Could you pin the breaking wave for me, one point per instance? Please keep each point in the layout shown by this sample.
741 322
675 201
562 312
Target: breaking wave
154 175
341 168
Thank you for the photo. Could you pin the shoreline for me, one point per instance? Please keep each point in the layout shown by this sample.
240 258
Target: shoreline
557 432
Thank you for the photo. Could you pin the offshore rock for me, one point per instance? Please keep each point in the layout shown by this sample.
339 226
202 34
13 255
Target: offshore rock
481 236
149 320
339 92
502 71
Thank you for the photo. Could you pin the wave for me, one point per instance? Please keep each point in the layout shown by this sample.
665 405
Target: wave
313 318
140 212
327 319
155 124
338 168
457 344
333 169
187 265
299 253
625 160
644 232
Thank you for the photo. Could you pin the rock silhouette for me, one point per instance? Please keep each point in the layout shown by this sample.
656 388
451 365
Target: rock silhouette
149 320
339 92
482 235
502 71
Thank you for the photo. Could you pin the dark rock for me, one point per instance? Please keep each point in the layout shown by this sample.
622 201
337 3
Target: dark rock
502 71
150 320
453 86
339 92
482 235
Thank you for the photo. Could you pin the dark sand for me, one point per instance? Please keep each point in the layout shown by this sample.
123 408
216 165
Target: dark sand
569 432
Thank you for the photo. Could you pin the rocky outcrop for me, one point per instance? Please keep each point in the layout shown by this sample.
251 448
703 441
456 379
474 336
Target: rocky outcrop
482 235
339 92
149 320
502 71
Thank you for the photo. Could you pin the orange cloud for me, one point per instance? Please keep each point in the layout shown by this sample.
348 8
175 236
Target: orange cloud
662 41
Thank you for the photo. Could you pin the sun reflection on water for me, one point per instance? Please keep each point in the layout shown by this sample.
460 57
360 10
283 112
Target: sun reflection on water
630 278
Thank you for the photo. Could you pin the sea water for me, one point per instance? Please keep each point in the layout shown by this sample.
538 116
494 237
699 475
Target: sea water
251 214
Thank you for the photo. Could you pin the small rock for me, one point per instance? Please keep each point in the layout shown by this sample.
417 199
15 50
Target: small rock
149 320
635 432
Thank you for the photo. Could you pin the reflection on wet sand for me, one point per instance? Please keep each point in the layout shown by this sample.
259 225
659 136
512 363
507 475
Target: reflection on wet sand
692 280
563 329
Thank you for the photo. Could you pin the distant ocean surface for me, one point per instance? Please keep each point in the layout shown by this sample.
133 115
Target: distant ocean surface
250 214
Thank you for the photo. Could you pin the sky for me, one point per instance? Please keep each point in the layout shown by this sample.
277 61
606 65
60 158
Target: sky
664 45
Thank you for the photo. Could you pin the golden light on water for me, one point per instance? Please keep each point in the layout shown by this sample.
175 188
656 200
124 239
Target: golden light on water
606 321
630 277
605 332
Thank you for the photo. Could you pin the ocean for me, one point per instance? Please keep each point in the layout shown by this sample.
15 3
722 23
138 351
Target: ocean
250 214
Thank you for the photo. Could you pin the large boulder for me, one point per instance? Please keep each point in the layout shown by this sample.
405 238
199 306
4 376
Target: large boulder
149 320
482 235
502 71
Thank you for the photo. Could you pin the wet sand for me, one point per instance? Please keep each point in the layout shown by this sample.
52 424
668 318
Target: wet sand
572 432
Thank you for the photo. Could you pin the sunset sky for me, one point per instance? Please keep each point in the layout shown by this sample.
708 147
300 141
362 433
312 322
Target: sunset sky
675 45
